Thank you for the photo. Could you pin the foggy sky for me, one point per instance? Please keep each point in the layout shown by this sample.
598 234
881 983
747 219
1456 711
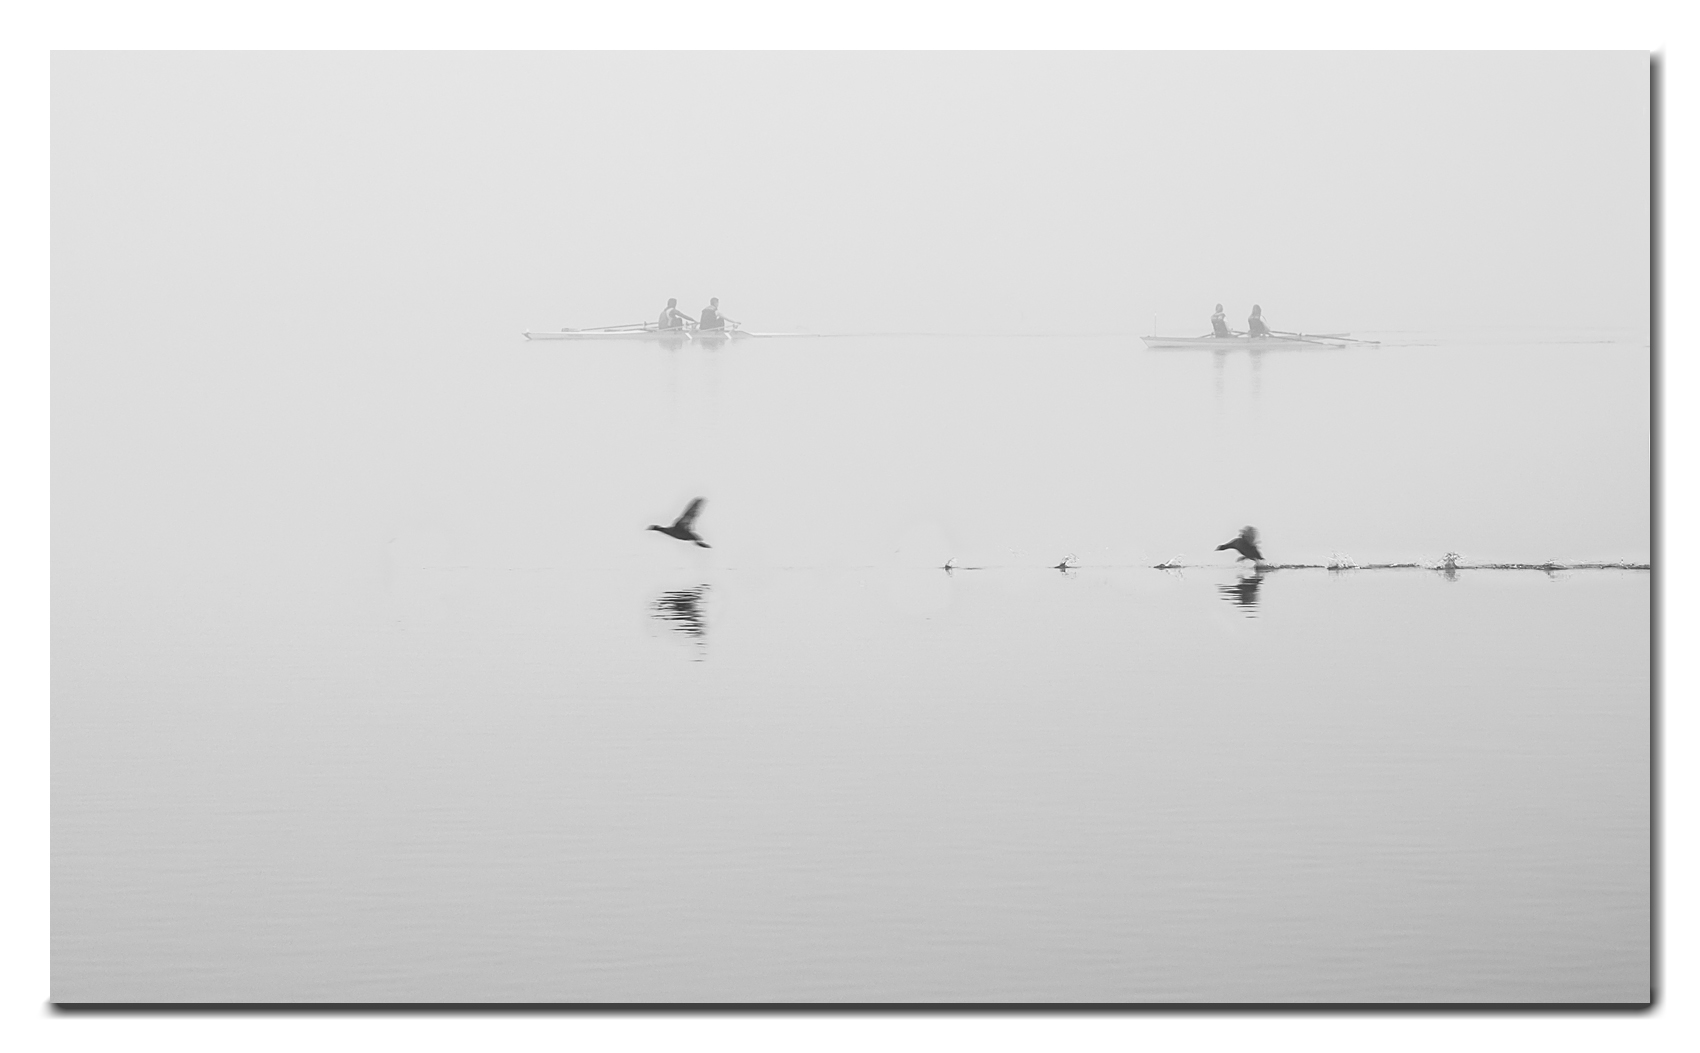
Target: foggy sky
288 291
852 192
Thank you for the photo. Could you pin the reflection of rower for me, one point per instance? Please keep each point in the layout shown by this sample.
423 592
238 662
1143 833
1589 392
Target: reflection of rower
672 317
1219 323
711 316
1255 325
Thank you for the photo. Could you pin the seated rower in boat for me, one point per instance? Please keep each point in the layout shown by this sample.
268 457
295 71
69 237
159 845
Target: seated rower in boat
672 317
1219 323
711 316
1255 325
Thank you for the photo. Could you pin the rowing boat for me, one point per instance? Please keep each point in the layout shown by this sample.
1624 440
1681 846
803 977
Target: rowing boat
1297 342
645 333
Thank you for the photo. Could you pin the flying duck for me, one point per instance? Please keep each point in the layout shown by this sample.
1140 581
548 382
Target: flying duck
681 527
1245 545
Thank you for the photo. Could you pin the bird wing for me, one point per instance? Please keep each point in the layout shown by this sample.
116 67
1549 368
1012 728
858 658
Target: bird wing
688 516
1249 534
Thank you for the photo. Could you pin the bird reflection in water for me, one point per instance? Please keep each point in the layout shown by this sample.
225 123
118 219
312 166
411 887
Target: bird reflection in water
1242 593
681 609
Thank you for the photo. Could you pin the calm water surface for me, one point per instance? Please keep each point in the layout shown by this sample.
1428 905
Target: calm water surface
369 685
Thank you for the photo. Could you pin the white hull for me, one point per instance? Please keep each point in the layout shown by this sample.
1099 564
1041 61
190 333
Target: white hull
1245 343
675 335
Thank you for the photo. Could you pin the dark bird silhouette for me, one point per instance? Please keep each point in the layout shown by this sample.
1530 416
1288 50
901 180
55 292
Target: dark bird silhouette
1243 593
682 610
681 527
1245 545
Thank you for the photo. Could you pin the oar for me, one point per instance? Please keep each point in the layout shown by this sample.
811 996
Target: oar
1344 336
611 328
726 326
1288 336
1322 336
1301 337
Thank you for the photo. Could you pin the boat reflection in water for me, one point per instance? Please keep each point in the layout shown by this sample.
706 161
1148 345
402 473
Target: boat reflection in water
1242 592
681 609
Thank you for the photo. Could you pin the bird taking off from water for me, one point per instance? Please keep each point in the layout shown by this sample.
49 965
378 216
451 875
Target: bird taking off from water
1245 545
681 527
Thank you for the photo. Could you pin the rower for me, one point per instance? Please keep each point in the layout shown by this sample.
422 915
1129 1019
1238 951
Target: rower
672 317
1219 323
1255 325
711 317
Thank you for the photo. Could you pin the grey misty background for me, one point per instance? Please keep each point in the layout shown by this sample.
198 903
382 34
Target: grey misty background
369 685
1002 193
288 290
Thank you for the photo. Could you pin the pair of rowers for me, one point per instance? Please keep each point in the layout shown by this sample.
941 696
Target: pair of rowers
673 318
1255 326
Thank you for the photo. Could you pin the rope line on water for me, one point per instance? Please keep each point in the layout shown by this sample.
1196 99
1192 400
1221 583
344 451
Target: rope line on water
1550 565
